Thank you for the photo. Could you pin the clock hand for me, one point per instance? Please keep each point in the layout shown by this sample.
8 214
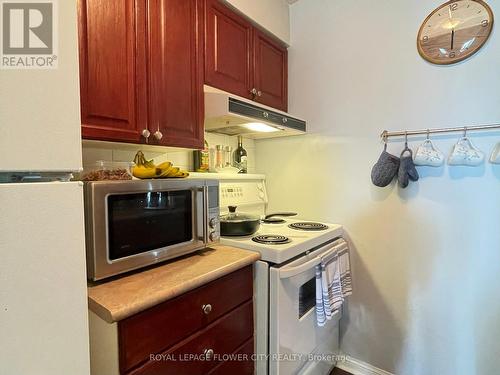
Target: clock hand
452 37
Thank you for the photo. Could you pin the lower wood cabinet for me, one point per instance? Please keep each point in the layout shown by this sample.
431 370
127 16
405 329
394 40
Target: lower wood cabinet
204 350
163 326
242 364
207 330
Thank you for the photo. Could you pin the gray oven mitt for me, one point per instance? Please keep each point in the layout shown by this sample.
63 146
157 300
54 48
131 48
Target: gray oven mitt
407 170
386 168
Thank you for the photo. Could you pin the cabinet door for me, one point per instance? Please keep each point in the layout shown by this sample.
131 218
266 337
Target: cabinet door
228 62
112 70
270 71
223 337
175 76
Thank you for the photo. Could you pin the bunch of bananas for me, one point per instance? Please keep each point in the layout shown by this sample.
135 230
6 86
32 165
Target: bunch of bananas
147 169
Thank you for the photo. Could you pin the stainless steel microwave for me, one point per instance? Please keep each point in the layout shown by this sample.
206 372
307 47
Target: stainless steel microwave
133 224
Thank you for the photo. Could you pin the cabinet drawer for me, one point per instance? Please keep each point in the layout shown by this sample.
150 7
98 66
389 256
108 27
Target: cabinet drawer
242 363
223 337
157 329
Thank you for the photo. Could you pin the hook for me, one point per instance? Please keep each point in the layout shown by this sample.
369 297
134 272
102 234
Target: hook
406 138
384 137
465 131
428 133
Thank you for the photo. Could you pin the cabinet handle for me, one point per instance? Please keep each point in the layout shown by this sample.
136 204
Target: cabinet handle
146 133
158 135
285 120
253 91
209 354
265 114
259 93
207 309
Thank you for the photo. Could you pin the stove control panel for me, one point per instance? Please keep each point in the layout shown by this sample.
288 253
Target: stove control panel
243 192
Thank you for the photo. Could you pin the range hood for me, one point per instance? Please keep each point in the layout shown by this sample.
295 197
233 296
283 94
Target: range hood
232 115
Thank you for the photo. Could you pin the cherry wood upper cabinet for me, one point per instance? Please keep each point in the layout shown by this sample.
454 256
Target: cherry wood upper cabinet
111 70
141 71
175 76
241 59
228 50
270 71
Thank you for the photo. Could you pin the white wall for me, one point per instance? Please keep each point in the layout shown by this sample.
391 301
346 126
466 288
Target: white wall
272 15
426 260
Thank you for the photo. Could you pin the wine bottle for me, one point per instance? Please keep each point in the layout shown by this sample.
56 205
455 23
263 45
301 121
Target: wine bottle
240 156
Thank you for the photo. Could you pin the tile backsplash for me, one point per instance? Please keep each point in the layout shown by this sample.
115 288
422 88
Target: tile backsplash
182 158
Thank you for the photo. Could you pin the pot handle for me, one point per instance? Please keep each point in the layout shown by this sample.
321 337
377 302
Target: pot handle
281 214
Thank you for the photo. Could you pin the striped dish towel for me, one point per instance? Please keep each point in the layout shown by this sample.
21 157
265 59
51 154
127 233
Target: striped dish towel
333 282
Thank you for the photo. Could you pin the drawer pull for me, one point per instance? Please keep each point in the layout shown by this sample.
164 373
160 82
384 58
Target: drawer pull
209 354
207 309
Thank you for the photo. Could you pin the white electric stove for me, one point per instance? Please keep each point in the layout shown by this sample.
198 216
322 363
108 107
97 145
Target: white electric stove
278 243
288 340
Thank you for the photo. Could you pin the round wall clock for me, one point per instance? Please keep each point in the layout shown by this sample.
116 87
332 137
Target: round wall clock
455 31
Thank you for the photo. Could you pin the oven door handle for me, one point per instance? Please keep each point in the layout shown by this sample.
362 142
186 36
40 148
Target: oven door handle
294 271
286 273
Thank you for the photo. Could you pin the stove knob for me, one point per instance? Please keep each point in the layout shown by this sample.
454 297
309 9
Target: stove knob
261 195
213 237
213 223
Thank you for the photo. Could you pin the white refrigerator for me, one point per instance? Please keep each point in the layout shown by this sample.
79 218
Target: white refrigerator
43 294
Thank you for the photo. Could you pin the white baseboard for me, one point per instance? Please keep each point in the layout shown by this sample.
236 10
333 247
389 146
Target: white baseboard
357 367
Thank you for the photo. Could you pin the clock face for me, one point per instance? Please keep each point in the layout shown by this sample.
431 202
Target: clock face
455 31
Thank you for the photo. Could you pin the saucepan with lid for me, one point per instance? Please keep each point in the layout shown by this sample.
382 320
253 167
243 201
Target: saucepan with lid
244 224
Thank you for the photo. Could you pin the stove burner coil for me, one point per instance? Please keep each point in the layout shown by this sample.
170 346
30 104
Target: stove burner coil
271 239
308 226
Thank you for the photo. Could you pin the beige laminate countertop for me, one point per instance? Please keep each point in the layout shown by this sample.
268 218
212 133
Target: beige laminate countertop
120 298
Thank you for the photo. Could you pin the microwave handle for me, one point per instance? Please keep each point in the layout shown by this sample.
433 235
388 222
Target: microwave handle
205 214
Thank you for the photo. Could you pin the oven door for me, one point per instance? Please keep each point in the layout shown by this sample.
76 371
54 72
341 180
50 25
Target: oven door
139 223
293 332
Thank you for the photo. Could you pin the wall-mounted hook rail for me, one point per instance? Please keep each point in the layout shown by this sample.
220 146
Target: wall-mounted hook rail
405 133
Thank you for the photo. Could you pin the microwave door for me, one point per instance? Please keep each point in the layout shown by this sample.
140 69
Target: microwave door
139 223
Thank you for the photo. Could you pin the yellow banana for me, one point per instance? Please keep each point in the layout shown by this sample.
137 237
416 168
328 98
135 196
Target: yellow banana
165 172
145 172
181 174
149 164
140 160
173 171
164 165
